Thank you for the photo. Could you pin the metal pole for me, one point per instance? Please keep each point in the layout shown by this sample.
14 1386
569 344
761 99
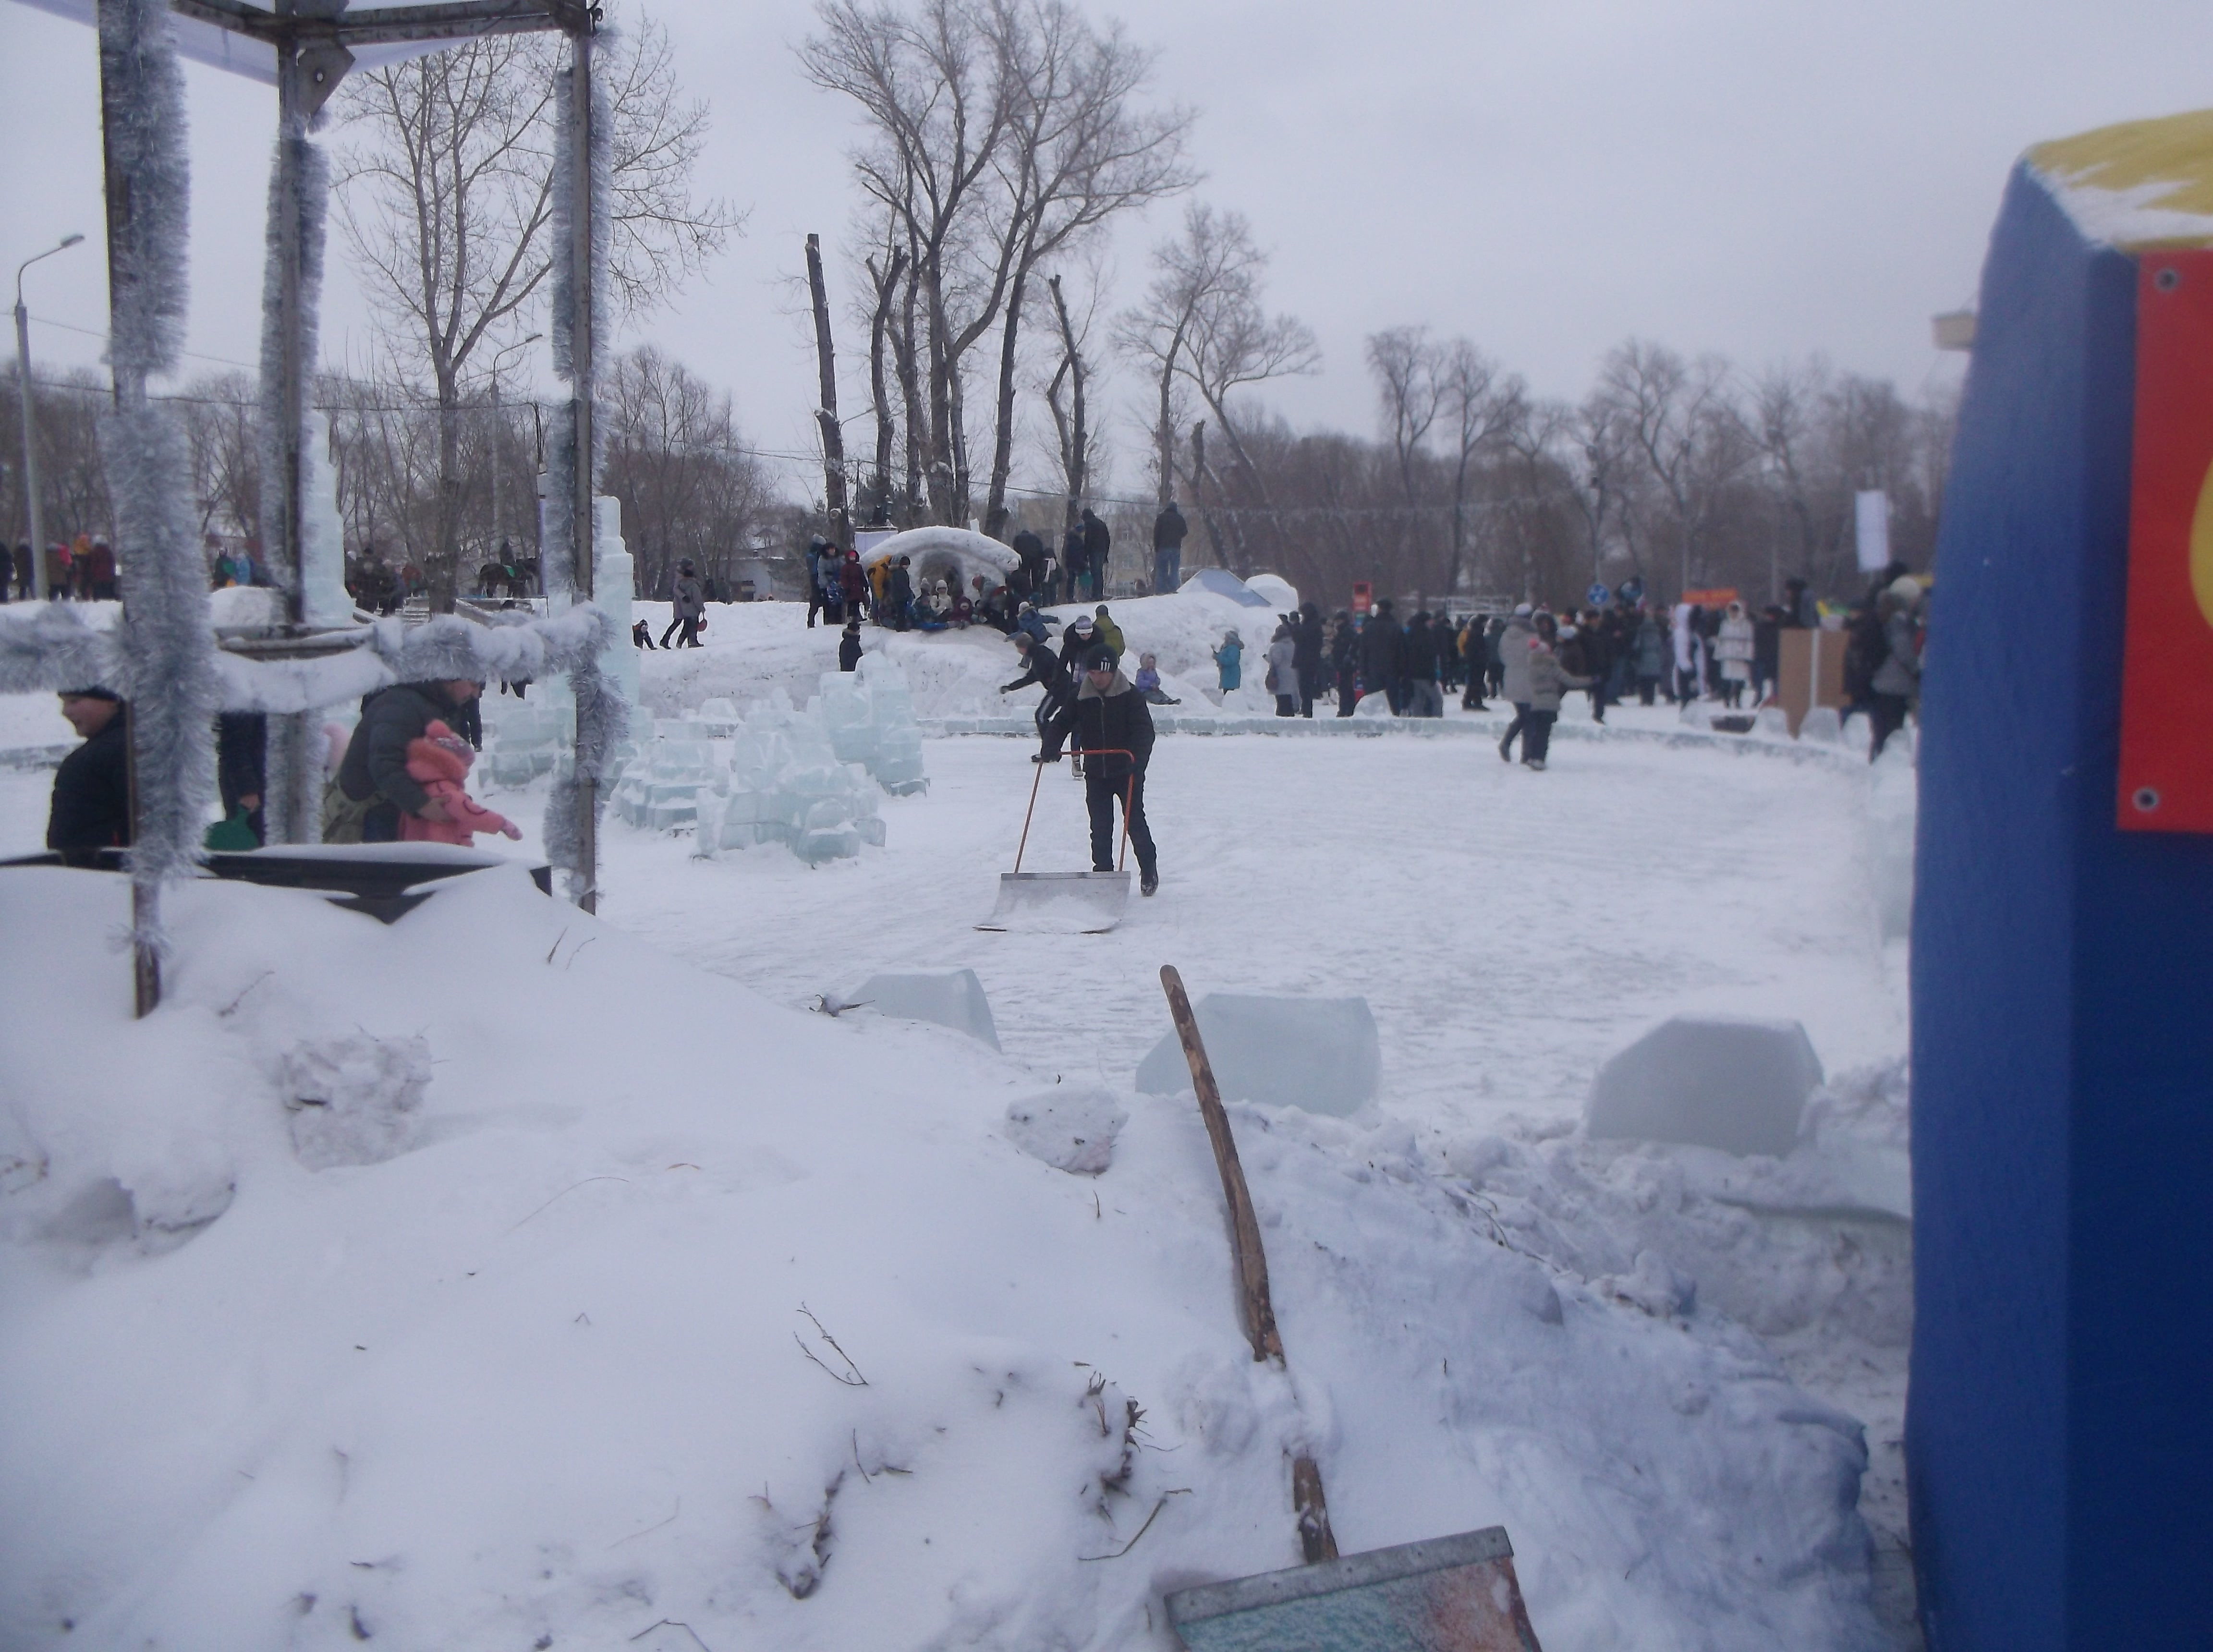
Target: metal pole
582 346
35 506
30 454
130 396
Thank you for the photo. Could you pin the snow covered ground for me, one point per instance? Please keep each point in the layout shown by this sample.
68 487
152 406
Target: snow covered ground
544 1375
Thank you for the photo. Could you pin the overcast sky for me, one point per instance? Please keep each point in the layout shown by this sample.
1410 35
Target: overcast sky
1547 177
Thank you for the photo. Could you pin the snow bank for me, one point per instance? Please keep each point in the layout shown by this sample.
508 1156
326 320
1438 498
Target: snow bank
682 1308
751 648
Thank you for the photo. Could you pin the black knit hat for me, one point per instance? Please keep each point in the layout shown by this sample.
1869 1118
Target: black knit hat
92 693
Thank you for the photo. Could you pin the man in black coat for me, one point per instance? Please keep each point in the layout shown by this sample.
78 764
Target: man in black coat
1344 657
1114 729
1073 561
1097 544
374 769
1418 693
91 806
1168 530
1306 657
1031 549
1379 654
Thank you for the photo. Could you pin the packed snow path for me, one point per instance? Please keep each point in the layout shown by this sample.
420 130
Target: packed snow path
1510 929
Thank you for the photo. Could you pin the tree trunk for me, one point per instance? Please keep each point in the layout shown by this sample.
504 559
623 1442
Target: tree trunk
446 555
825 411
887 286
1078 462
1200 474
1164 431
938 458
1003 440
908 362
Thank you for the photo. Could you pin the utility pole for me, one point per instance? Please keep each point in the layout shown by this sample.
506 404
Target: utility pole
499 425
581 343
34 507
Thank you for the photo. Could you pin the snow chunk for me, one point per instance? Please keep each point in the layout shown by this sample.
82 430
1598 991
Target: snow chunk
356 1098
1320 1055
952 998
1653 1286
1072 1128
1708 1082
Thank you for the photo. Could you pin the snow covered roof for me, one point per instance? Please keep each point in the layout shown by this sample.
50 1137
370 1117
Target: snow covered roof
2142 184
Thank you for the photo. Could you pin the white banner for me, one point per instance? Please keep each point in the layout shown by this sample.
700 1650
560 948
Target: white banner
1872 510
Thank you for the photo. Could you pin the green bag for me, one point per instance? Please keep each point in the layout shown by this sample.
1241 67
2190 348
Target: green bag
232 835
343 817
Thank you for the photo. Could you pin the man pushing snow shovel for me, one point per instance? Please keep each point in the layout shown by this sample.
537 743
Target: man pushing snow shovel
1109 718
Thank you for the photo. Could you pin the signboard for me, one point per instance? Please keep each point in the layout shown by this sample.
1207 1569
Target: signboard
1632 590
1716 596
1598 596
2167 653
1363 596
1871 516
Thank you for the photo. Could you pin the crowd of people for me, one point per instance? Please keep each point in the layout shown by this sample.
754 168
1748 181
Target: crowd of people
80 571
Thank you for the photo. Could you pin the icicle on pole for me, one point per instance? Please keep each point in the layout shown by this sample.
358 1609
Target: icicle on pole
167 646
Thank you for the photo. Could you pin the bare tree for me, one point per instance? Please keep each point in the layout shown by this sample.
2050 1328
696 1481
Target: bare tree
676 462
1681 419
1480 408
1078 152
935 89
445 194
1203 322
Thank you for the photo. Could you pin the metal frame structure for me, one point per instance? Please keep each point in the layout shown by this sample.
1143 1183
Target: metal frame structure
314 43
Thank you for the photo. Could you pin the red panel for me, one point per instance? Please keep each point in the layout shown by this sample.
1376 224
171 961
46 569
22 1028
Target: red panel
2167 682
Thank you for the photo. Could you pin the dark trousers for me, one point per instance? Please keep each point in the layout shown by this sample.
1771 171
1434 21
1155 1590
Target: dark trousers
1100 793
1537 738
1286 705
1347 692
1518 727
688 637
1647 688
1887 713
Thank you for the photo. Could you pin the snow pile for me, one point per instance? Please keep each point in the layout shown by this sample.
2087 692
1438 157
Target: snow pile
1893 803
1072 1128
683 1309
354 1099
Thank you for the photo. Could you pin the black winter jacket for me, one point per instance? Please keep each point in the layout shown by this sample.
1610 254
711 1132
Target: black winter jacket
375 763
1118 720
91 806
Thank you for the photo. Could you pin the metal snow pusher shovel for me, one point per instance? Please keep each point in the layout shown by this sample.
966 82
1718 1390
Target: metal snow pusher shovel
1448 1594
1066 903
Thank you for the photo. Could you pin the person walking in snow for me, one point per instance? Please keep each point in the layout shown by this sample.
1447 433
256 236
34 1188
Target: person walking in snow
1076 643
899 587
849 646
1470 643
1230 661
691 603
1548 680
1514 645
816 545
1114 729
1169 529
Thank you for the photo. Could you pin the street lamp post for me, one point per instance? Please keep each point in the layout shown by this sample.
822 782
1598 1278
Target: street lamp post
499 425
30 454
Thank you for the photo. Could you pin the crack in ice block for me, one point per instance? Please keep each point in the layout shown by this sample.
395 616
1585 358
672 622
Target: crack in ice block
1320 1055
1708 1080
953 997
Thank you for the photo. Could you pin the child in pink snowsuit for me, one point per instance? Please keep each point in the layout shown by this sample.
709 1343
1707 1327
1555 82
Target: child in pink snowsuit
438 762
